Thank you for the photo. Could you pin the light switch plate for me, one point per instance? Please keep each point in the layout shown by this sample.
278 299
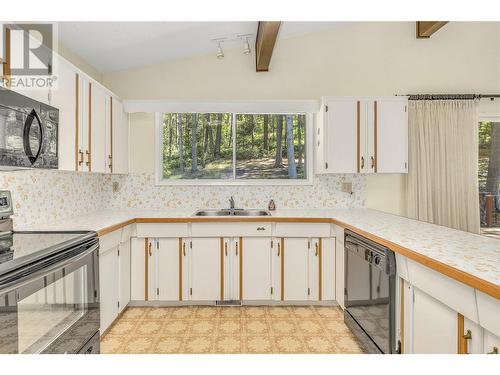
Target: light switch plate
346 187
116 187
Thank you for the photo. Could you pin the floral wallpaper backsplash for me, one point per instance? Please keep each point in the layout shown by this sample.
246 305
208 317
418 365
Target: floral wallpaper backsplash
42 196
139 191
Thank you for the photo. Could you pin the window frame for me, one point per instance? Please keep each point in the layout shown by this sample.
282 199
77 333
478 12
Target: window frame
233 181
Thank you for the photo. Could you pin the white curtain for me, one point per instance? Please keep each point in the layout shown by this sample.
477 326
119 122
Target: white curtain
442 183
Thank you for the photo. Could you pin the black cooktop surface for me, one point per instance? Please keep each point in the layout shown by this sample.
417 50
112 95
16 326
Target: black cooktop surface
20 248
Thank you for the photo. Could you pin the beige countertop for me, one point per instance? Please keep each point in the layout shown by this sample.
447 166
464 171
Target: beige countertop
469 258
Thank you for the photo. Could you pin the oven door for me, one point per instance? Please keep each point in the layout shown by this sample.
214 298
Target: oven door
52 306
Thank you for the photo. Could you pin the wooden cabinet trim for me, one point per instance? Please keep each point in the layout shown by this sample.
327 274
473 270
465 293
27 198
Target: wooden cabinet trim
320 271
110 157
358 131
240 254
461 342
222 244
146 266
180 269
282 269
77 117
89 156
375 135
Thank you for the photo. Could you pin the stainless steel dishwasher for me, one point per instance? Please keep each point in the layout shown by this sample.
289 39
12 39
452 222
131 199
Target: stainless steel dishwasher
370 276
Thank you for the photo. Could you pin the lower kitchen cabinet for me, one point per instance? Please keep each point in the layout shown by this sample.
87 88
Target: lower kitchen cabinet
257 265
138 251
163 269
301 269
205 259
124 274
435 325
231 268
109 286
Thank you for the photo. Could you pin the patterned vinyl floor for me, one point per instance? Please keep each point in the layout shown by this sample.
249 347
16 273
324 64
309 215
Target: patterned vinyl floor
218 330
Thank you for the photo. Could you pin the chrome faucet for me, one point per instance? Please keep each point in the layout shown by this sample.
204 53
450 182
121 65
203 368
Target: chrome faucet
231 203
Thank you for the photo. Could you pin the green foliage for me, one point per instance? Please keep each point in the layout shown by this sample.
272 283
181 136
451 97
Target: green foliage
485 130
256 145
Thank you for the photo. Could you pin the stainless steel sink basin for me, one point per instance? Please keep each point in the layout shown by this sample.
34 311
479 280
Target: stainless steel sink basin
213 213
235 212
251 213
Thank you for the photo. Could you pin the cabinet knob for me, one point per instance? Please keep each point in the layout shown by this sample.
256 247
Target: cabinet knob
88 157
184 249
373 162
81 161
316 246
362 162
236 248
149 247
225 248
279 248
261 228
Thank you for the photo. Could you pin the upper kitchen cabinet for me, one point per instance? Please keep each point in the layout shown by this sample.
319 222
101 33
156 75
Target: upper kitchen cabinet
362 135
117 138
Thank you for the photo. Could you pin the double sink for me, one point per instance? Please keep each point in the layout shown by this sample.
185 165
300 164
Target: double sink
232 212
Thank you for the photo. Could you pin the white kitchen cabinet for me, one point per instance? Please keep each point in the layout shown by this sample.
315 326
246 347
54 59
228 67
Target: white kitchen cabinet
97 128
313 273
257 268
231 268
362 135
124 274
434 326
471 337
328 270
83 125
295 278
117 138
108 282
138 248
64 98
204 269
168 269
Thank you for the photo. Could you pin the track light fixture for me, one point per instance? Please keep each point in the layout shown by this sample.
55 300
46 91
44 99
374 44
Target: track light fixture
220 52
246 47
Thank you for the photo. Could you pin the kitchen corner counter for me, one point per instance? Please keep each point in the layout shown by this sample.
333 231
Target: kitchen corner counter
469 258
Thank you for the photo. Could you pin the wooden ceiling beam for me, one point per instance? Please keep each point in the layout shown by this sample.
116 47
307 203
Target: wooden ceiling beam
426 28
267 33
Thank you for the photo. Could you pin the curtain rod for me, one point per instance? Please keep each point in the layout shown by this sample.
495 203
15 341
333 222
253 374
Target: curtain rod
450 96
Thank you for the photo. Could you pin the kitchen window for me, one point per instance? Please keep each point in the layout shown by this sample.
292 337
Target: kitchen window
234 147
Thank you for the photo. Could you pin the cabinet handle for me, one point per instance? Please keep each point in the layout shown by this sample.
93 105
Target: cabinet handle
236 248
467 336
110 165
150 253
373 162
494 351
184 249
225 247
279 248
81 161
316 246
261 228
88 158
362 162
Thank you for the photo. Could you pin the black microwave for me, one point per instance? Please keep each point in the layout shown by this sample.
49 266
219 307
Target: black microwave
28 132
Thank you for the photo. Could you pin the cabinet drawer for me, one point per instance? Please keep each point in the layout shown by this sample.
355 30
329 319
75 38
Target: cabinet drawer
302 230
162 230
222 229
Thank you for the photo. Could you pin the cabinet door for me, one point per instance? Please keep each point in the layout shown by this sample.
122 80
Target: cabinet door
108 284
368 135
205 269
391 141
152 270
313 274
168 269
64 98
471 337
98 112
491 343
124 270
256 268
328 265
276 263
119 151
434 326
295 267
231 268
137 268
83 123
341 134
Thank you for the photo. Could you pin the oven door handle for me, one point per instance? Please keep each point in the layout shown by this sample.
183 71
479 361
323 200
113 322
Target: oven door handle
33 116
17 283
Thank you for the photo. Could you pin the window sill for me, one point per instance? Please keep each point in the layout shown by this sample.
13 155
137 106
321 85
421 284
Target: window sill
166 182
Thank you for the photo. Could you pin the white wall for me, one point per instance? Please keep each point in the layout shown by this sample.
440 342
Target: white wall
381 58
